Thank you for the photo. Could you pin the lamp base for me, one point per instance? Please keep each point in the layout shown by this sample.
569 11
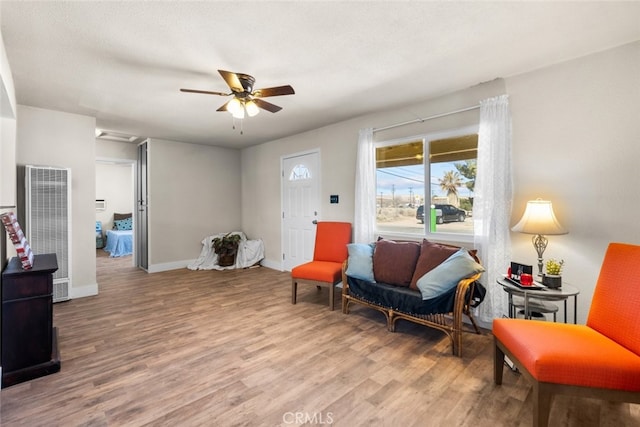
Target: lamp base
540 243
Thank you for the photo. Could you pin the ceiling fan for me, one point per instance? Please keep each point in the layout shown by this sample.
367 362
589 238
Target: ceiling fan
245 98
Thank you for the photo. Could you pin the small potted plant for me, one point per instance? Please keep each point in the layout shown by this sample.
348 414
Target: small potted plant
553 279
226 247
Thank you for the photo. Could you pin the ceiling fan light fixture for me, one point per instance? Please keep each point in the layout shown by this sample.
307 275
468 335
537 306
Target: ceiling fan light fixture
252 108
246 101
238 114
235 107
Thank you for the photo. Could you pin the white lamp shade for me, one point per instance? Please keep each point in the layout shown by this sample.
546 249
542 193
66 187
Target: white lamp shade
539 218
234 107
252 108
239 114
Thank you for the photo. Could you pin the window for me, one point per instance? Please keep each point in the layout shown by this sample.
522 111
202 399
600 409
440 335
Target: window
299 172
420 195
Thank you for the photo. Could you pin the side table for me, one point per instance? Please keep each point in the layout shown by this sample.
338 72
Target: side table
29 345
545 294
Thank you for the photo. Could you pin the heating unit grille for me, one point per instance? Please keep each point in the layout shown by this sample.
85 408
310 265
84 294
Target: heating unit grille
48 220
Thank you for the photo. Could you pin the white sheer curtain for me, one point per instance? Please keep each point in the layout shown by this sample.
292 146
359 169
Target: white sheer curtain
365 212
492 202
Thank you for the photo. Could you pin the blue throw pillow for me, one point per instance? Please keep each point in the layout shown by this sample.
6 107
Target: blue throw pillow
446 276
360 261
124 224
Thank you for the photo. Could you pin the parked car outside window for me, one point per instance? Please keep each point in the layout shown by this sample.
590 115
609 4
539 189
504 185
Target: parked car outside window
444 213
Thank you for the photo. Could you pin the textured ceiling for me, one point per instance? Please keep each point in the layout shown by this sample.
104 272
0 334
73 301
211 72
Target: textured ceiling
124 62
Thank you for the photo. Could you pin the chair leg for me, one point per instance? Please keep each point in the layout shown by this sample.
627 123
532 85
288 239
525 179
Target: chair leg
294 289
332 289
498 364
391 321
541 405
456 343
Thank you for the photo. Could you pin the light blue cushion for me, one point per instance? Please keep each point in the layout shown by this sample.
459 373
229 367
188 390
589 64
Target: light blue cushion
446 276
360 261
124 224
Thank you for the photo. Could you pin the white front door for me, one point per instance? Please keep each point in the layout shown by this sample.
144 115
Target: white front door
300 207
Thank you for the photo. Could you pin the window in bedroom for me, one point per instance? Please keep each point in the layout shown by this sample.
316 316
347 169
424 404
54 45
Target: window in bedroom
418 195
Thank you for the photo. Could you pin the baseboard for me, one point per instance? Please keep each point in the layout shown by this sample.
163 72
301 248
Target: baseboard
83 291
483 325
274 265
176 265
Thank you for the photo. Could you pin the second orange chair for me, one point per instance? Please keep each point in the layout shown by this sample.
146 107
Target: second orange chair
329 253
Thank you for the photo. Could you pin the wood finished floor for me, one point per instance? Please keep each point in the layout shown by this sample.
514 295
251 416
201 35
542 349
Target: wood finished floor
227 348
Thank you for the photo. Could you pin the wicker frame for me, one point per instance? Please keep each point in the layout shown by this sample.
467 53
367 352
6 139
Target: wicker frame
449 323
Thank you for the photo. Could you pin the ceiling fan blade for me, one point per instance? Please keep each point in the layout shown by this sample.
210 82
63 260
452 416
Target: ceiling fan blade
224 106
232 80
274 91
267 105
206 92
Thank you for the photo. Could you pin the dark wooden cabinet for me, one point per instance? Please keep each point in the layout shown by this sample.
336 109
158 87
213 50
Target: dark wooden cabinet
29 340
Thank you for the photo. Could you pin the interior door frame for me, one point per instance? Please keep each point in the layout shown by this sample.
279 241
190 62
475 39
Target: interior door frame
142 207
282 193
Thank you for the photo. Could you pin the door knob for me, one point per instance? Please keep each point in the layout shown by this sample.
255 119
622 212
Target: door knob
315 221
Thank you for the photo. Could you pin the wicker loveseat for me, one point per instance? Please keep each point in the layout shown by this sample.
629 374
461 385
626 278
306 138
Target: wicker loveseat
401 279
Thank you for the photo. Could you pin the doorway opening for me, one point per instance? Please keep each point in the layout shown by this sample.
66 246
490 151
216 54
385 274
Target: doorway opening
115 202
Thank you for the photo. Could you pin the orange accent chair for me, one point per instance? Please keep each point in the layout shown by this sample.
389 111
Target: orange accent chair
329 253
598 360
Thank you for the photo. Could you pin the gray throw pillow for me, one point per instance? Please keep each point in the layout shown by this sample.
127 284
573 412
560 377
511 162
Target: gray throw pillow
360 264
446 276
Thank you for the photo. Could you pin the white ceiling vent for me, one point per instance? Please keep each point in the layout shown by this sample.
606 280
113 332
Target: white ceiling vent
116 136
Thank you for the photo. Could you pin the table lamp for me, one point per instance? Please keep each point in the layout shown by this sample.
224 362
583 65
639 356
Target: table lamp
539 220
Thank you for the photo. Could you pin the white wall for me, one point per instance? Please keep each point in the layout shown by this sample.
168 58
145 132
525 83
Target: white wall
7 89
7 161
7 148
576 142
113 150
53 138
194 192
261 174
7 182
